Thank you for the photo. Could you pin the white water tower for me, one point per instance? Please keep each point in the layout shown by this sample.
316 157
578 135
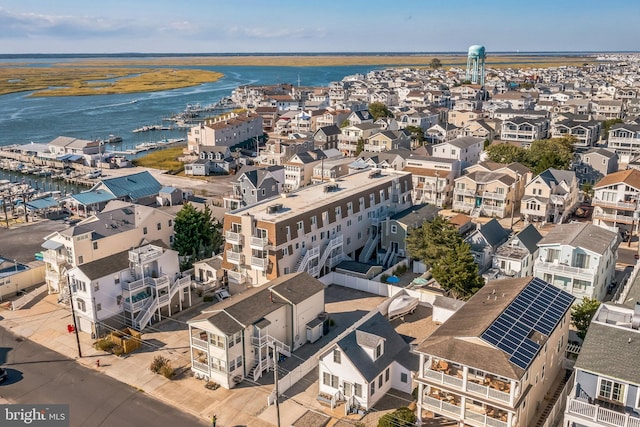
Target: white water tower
475 64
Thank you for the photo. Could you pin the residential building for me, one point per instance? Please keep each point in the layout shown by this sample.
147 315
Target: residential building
140 188
485 241
594 164
524 131
551 196
586 133
128 288
490 189
439 133
239 337
433 178
228 129
211 160
327 137
354 134
388 140
254 184
516 257
117 228
299 168
466 149
607 375
330 170
579 258
607 109
624 139
313 228
279 150
495 359
615 201
361 367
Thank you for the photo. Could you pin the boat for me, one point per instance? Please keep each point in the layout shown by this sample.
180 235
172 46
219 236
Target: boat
402 305
146 146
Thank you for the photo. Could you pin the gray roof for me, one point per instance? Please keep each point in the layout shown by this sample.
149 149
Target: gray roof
494 233
354 266
236 313
602 152
556 176
416 215
529 237
580 234
106 266
607 351
465 141
369 333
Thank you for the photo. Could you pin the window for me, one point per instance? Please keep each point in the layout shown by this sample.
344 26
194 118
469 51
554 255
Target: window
239 361
380 381
329 380
159 226
357 389
80 259
348 390
373 388
98 306
232 365
116 280
378 352
81 304
403 378
95 245
170 223
394 229
611 390
217 340
336 356
285 251
144 230
386 375
96 287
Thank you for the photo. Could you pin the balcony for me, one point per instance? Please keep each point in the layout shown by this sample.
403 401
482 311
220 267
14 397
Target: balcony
200 344
626 206
375 148
258 242
494 196
54 258
592 413
499 211
144 254
201 367
235 257
462 206
259 263
233 237
557 268
466 193
346 146
236 277
625 219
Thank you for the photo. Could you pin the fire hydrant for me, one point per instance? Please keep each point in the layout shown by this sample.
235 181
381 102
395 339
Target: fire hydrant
97 363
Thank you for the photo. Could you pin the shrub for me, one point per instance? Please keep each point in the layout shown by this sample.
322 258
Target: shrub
208 298
384 278
401 417
158 363
212 385
104 344
167 371
117 350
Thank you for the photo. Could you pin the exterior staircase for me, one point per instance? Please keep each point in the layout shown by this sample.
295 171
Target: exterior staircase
475 212
551 401
369 248
328 255
154 302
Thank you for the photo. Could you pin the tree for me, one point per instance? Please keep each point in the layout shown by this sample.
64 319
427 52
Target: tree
543 154
606 126
197 233
438 244
417 134
506 153
435 63
401 417
378 110
582 313
360 146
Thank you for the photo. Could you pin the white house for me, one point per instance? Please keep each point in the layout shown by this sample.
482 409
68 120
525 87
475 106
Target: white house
579 258
365 364
516 257
466 149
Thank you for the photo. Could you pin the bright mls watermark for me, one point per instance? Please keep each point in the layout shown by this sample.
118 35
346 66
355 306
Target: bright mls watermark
34 415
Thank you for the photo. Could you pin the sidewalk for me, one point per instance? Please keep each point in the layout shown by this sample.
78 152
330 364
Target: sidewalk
45 322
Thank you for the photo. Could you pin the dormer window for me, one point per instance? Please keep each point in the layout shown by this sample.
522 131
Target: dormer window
337 356
378 351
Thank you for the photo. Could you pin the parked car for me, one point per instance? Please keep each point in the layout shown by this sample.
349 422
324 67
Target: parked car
221 295
94 174
3 375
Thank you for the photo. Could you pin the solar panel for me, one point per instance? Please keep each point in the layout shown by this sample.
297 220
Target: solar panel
538 308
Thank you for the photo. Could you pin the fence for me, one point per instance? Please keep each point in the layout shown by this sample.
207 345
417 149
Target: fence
26 299
621 293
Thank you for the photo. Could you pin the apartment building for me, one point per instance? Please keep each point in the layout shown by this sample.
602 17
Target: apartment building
129 288
227 129
524 131
433 178
466 149
494 360
615 201
117 228
594 164
579 258
607 374
254 185
237 338
312 229
586 132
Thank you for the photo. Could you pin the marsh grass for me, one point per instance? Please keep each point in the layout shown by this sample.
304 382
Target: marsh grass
165 159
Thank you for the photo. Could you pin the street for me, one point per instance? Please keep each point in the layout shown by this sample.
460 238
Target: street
38 375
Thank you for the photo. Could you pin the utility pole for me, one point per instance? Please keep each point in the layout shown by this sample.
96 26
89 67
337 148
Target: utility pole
73 315
276 356
4 206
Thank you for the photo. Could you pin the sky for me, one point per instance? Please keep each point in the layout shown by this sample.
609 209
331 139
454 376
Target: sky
271 26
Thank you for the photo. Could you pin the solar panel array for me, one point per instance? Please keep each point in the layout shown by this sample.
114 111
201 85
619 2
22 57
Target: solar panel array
539 307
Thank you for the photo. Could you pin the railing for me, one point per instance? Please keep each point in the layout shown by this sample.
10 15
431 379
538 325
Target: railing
198 343
375 148
145 314
628 219
259 263
482 390
494 195
236 276
52 275
561 268
443 378
442 406
54 258
135 306
462 206
491 210
617 205
235 257
26 299
603 416
202 367
484 419
144 256
233 237
258 242
346 146
465 192
136 284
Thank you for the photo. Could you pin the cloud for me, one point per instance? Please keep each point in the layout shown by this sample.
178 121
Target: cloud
275 33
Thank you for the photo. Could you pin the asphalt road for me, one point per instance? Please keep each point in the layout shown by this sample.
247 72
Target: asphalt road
22 242
38 375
